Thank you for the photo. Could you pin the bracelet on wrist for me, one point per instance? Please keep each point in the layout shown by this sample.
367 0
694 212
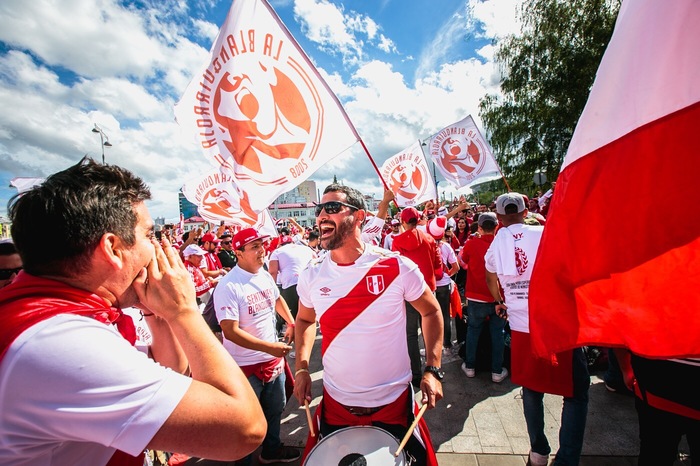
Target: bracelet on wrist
146 314
299 371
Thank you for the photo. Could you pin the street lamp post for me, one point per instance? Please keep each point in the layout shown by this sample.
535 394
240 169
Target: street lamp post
104 141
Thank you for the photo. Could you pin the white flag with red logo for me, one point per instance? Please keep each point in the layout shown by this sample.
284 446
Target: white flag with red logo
217 198
407 175
605 274
260 109
462 155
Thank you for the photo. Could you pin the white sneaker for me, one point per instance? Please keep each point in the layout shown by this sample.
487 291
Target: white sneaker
498 378
469 372
535 459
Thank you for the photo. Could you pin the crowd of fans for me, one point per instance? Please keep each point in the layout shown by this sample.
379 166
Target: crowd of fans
469 290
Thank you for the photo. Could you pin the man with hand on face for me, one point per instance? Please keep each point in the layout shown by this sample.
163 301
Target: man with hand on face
357 293
246 301
74 390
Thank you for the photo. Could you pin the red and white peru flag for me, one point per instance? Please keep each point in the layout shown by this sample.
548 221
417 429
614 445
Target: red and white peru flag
260 110
619 262
407 175
462 155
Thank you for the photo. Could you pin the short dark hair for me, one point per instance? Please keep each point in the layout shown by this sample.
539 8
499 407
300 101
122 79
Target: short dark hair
510 209
7 248
488 226
314 234
354 197
77 206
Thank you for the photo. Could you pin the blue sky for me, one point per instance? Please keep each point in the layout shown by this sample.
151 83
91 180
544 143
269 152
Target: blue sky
403 69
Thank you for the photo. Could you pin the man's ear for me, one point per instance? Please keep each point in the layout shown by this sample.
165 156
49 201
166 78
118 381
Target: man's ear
111 249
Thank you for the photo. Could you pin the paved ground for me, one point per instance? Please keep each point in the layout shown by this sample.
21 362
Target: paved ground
481 423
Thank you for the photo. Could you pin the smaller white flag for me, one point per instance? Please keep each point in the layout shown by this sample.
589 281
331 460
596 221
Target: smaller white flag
462 155
218 198
407 175
25 184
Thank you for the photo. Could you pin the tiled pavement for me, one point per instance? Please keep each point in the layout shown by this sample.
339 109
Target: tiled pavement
480 423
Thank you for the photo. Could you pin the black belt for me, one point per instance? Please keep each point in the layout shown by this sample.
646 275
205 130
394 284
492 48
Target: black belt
361 410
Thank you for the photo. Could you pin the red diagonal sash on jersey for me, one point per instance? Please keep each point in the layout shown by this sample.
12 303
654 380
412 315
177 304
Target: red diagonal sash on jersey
366 291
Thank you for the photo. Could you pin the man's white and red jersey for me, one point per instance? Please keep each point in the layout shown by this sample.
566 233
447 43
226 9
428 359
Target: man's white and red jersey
361 310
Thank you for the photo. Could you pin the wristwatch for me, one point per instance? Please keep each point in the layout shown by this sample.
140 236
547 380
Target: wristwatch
499 302
436 371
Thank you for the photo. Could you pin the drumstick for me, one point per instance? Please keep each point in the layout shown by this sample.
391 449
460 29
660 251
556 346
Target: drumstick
410 429
308 418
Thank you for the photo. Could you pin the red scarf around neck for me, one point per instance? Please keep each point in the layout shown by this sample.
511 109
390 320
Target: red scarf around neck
29 300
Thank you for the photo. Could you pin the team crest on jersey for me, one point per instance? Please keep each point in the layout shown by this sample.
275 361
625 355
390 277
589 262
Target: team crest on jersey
375 284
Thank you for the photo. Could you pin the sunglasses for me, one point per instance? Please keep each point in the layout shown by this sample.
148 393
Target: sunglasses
332 207
226 242
7 273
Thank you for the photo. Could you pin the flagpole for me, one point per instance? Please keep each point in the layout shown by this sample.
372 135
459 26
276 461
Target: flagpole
372 161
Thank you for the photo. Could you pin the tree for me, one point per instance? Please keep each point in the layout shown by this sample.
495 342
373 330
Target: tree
548 71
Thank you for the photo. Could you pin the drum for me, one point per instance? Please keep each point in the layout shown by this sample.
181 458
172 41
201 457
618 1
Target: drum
357 446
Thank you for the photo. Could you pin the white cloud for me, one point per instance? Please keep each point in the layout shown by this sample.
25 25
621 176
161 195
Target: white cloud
450 33
90 38
206 29
498 17
325 24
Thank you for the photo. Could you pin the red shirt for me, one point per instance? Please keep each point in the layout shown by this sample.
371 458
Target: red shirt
473 254
421 249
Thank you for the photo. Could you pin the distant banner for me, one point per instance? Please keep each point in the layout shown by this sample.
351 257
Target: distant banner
407 175
260 109
462 155
217 198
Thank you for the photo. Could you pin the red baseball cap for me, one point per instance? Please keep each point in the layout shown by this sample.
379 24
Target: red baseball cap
409 213
246 236
211 237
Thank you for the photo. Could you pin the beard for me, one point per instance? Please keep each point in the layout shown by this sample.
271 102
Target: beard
342 231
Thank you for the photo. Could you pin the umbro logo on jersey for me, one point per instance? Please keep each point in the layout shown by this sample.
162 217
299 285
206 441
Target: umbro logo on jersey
325 291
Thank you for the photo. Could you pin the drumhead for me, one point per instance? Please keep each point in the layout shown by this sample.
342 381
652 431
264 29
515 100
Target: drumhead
356 446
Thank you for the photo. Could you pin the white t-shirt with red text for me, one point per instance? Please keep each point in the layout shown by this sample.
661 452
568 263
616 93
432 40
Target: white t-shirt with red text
521 241
248 298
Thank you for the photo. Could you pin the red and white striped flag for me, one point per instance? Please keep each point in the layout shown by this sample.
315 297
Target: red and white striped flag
407 175
217 199
462 155
260 110
619 262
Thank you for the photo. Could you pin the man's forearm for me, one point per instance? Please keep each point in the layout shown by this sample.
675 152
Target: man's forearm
209 361
432 328
165 349
304 336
